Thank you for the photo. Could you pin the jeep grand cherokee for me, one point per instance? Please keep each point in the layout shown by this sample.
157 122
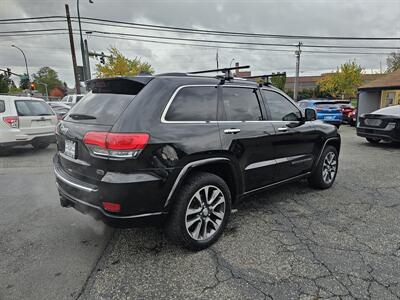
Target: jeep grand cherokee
184 149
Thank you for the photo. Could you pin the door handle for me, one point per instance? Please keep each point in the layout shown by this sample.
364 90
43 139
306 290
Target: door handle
232 131
282 129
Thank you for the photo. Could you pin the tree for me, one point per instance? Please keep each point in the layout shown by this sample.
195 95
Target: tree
279 81
344 82
46 75
119 65
4 83
393 62
24 82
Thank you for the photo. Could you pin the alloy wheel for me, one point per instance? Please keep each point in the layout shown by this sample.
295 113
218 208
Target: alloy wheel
205 213
329 167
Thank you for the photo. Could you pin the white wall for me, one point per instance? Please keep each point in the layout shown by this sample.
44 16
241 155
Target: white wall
368 102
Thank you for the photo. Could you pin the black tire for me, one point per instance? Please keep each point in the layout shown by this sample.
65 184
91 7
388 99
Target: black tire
373 140
317 178
177 220
5 151
40 145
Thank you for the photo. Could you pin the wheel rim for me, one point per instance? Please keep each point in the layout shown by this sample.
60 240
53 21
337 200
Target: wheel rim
329 167
205 213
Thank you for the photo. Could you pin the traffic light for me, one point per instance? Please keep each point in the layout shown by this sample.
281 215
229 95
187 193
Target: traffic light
9 72
102 60
33 86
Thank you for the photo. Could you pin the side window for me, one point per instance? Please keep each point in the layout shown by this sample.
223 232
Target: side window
2 106
281 108
198 103
303 104
241 104
70 98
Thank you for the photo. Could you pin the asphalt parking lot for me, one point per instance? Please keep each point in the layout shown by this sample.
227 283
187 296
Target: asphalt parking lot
290 243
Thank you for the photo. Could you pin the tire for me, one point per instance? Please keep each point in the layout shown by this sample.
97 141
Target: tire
40 145
5 151
322 178
373 140
203 225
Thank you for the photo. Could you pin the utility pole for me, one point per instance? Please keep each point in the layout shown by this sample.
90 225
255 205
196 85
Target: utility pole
71 43
88 76
296 79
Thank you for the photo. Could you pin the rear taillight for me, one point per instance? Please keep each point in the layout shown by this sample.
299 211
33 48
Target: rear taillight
11 121
116 145
112 207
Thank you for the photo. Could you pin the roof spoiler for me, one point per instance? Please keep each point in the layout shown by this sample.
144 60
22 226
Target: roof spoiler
118 85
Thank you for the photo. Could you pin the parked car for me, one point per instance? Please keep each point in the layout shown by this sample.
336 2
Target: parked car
380 125
328 111
352 117
184 150
61 109
71 100
25 120
346 108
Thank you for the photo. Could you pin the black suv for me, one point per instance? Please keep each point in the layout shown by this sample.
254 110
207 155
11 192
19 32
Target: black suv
182 150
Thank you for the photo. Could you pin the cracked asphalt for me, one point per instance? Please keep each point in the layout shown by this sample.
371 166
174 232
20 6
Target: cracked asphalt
289 243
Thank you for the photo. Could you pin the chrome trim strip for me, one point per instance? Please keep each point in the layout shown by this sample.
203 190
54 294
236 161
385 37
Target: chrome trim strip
107 214
78 186
186 168
277 161
277 183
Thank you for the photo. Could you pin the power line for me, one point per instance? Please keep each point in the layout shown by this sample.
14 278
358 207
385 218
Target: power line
192 30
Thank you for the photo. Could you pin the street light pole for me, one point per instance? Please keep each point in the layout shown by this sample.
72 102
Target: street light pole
26 63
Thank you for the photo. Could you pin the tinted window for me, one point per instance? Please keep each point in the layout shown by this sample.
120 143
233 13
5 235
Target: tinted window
241 104
281 108
78 98
33 108
327 105
194 104
105 108
2 106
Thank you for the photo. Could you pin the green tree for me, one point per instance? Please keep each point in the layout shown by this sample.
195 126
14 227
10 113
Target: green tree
393 62
46 75
4 84
344 82
24 82
120 65
279 81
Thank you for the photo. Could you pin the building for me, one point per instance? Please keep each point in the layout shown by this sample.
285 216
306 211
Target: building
241 74
382 92
311 82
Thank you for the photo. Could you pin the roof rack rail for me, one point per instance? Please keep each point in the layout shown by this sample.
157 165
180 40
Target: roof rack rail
227 72
266 77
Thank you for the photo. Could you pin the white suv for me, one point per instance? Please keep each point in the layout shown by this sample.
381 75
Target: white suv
26 120
71 100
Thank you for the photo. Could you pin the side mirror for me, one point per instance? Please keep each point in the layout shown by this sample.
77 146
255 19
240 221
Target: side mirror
310 114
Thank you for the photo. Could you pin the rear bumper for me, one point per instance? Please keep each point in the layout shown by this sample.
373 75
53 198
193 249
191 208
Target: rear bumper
37 139
330 119
141 199
387 135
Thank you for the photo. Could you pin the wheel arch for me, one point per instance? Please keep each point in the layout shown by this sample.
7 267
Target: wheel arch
220 166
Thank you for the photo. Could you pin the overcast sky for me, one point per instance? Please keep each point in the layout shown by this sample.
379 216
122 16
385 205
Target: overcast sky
366 18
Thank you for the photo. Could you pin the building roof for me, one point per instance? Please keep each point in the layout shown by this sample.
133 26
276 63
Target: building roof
391 80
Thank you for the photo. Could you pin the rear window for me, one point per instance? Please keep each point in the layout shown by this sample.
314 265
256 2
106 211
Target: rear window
2 106
78 98
101 109
33 108
194 104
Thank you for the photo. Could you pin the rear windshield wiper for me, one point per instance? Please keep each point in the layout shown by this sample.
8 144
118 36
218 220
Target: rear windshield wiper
82 117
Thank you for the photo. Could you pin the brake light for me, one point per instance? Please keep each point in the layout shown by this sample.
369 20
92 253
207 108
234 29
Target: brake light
112 207
116 145
11 121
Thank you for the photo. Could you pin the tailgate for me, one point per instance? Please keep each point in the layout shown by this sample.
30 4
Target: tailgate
35 117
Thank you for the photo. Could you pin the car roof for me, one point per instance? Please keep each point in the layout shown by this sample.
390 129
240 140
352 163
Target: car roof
11 97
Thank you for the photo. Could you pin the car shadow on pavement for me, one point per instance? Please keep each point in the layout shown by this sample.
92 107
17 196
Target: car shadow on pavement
20 151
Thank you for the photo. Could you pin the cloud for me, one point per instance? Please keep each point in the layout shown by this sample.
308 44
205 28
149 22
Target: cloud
311 17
